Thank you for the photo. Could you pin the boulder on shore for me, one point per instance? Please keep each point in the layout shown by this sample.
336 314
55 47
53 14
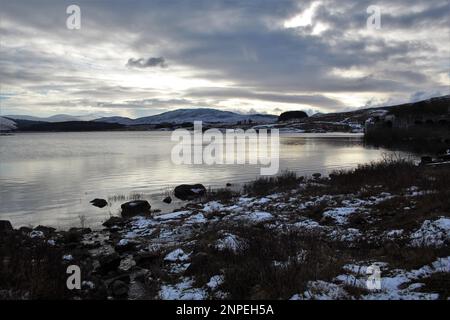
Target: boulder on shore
136 207
167 199
119 289
99 202
189 191
45 230
113 221
109 263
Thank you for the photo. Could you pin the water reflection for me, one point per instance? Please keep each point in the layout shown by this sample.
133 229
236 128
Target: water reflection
49 178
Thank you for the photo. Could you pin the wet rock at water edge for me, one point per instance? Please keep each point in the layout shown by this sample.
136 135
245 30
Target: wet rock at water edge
316 175
119 289
125 245
167 199
101 203
136 207
5 226
24 230
127 264
73 236
114 222
189 191
45 230
142 274
146 258
109 263
228 184
81 231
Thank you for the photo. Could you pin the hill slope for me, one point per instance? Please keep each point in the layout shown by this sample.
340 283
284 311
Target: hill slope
206 115
54 118
69 126
7 124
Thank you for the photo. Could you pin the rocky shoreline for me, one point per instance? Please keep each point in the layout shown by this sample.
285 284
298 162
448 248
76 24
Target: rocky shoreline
286 237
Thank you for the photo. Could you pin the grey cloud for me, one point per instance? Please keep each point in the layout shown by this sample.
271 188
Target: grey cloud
316 100
232 41
156 101
146 63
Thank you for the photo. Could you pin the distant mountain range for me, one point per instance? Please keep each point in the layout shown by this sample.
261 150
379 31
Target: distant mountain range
92 122
55 118
179 116
206 115
190 115
7 124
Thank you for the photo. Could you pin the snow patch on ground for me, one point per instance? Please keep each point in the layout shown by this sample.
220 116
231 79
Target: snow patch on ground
321 290
173 215
176 255
307 224
259 216
123 242
215 281
263 200
229 242
198 218
179 268
36 234
142 222
182 291
340 215
212 206
396 284
346 235
393 234
67 257
432 233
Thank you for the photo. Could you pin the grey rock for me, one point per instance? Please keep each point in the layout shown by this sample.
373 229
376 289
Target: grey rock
119 289
136 207
99 202
189 191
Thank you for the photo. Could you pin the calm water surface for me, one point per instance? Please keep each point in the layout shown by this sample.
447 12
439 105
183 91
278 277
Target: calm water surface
49 178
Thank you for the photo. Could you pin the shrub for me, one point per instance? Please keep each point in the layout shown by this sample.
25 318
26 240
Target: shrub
287 180
31 269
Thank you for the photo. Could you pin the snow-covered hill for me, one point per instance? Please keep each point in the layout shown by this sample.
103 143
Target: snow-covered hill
120 120
206 115
55 118
7 124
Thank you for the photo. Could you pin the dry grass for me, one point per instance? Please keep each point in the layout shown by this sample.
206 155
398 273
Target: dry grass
129 197
32 268
224 195
252 273
438 283
286 181
392 173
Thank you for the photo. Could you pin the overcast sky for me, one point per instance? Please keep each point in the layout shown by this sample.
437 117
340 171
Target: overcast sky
137 58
